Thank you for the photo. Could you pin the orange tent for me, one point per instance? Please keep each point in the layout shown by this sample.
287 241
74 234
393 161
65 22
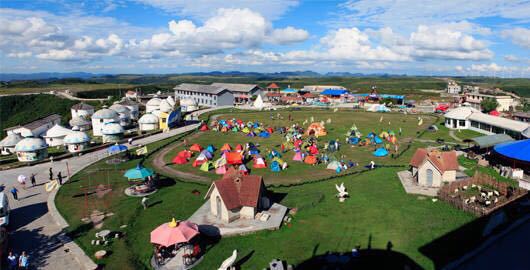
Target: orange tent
226 147
316 129
234 158
196 148
310 159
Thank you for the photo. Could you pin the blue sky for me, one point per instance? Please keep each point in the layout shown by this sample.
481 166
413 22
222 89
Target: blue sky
454 37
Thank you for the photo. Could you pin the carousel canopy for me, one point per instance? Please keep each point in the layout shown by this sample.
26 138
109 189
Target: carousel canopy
174 232
139 172
519 150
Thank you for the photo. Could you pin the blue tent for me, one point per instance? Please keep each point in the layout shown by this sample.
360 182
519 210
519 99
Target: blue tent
253 150
334 92
264 134
519 150
139 172
275 166
117 148
256 125
354 140
380 152
210 148
207 154
378 140
370 135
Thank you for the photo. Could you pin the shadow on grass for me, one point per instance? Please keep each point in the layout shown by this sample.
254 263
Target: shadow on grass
365 259
276 197
239 263
80 230
165 181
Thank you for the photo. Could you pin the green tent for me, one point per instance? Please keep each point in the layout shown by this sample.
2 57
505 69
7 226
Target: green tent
206 166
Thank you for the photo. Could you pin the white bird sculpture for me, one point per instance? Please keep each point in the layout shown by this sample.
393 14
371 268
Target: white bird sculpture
229 261
342 191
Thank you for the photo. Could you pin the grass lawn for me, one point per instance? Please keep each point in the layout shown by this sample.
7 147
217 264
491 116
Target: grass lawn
472 167
298 171
74 87
443 133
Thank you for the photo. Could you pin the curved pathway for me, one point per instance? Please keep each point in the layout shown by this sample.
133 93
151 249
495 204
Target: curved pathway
37 227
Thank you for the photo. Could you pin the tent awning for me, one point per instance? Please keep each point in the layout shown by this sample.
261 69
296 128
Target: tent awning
491 140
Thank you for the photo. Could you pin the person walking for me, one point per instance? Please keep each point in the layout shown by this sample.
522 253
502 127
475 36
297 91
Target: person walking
12 261
51 174
144 202
32 179
23 261
60 178
14 191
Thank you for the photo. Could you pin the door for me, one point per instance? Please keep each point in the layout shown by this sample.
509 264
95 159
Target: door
218 204
429 177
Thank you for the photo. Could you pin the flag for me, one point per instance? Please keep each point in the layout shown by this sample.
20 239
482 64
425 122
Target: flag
141 151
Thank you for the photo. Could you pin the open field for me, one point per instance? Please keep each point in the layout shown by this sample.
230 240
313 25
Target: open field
299 172
73 87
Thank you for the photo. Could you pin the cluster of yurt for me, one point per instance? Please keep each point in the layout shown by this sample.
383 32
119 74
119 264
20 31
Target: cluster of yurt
81 114
188 105
7 145
160 114
31 149
76 141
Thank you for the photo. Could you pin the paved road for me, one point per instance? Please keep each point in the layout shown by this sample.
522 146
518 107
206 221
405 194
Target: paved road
33 227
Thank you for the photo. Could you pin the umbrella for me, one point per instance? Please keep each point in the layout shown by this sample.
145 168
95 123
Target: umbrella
139 172
21 178
174 232
117 148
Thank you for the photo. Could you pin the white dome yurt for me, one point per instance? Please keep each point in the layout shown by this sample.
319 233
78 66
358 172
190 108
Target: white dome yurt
82 110
148 122
152 104
124 114
165 106
112 132
31 149
76 141
80 123
133 107
7 145
101 117
188 105
55 135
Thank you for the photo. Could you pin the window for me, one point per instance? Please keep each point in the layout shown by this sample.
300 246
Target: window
462 123
474 124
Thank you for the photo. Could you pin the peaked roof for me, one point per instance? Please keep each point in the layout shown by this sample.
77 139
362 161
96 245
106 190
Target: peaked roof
273 86
444 161
82 106
201 88
236 87
38 122
238 190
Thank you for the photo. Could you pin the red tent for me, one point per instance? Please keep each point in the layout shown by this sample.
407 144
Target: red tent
313 150
198 162
204 127
239 147
226 147
196 148
310 159
441 108
259 163
180 160
495 113
184 154
270 130
234 158
298 142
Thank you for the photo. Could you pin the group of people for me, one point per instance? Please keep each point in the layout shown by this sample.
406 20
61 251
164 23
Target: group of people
15 262
33 180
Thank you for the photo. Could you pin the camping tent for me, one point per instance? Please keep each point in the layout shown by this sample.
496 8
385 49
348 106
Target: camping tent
313 150
204 127
206 166
196 148
220 170
253 150
275 166
310 159
226 147
210 148
259 163
378 140
258 103
333 165
245 130
207 154
239 148
380 152
316 129
297 156
234 158
264 134
243 169
353 140
180 160
220 162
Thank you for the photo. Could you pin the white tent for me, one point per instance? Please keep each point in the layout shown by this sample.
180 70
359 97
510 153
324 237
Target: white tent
258 103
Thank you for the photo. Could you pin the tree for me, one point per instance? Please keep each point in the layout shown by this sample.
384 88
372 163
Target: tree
489 104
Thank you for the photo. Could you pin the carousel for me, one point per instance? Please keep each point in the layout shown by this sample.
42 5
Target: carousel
176 245
142 181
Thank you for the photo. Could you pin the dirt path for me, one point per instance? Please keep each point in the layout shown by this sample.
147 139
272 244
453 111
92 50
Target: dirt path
160 165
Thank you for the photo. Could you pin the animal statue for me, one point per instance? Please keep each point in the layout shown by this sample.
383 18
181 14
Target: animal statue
229 261
342 191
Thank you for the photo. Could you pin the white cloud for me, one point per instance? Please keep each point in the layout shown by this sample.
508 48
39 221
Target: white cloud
511 58
204 9
20 54
519 36
228 29
60 55
288 35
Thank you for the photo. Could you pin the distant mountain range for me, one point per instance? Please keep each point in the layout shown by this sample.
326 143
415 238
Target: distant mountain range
85 75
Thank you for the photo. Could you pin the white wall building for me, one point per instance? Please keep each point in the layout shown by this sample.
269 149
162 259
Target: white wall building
55 135
205 95
505 102
473 119
320 88
82 110
102 117
7 145
453 87
35 128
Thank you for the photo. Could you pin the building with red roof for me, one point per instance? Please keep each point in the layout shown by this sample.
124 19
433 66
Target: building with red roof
273 87
431 168
237 196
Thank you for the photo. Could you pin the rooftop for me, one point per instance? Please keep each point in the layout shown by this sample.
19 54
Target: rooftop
200 88
444 161
491 140
38 123
239 190
236 87
499 121
82 106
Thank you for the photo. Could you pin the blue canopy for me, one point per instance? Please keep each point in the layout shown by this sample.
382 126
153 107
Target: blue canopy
377 140
289 91
519 150
139 172
116 148
380 152
264 134
334 92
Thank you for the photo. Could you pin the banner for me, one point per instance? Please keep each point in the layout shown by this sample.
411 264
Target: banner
141 151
